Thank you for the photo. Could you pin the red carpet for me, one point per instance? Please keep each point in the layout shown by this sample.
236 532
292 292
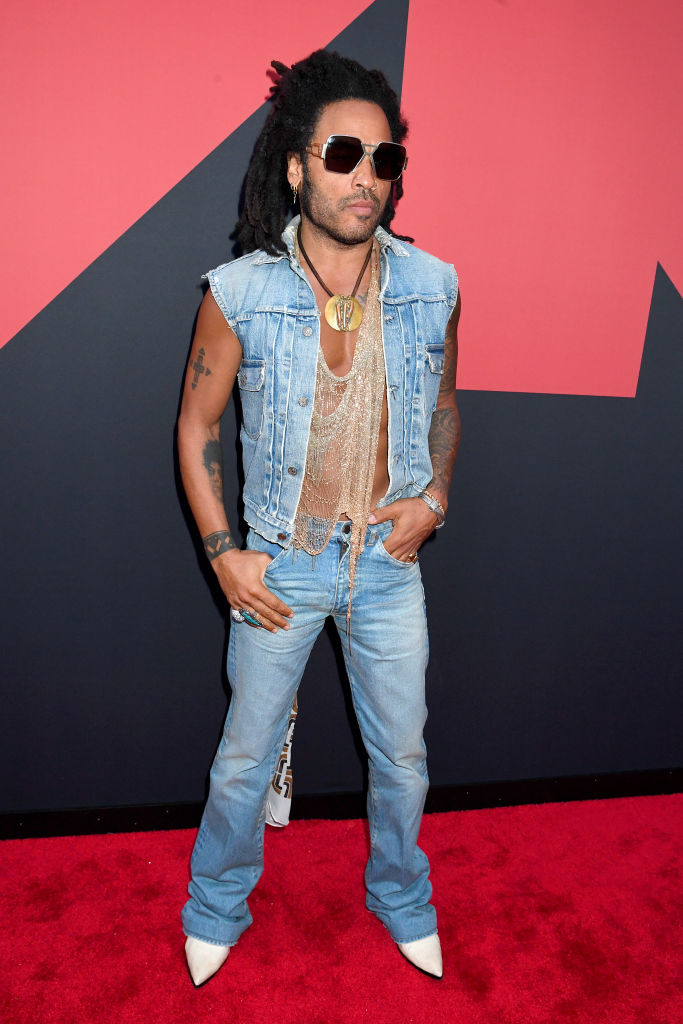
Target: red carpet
554 914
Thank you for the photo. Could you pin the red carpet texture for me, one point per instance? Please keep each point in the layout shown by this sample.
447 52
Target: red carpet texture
553 914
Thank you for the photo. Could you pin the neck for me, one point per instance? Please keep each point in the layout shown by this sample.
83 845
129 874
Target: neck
330 256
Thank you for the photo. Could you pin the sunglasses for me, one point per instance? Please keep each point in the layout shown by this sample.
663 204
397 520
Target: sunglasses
342 154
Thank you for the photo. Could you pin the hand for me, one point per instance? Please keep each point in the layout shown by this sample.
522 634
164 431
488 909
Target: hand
413 522
240 574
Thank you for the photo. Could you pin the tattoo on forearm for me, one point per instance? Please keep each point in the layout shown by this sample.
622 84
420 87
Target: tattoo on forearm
444 437
444 431
199 367
213 464
217 544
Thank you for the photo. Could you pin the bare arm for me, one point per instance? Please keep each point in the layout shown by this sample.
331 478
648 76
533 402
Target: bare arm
444 432
214 361
413 519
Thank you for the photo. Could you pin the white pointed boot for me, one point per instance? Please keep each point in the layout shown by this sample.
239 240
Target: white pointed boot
425 954
204 959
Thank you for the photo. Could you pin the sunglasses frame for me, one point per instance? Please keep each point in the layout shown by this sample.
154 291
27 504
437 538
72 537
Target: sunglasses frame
319 149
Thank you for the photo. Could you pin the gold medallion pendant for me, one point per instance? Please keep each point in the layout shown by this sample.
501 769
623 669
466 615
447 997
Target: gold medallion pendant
343 312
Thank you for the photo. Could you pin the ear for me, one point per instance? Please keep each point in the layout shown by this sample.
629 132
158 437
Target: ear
294 169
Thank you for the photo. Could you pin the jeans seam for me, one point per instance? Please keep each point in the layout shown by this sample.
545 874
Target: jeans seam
423 935
202 938
277 750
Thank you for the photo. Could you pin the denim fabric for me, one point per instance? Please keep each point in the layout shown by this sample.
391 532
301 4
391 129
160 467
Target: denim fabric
386 662
269 304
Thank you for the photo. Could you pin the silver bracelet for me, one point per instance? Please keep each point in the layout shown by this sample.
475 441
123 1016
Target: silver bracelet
435 505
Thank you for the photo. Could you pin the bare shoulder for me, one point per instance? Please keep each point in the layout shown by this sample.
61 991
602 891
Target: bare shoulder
211 324
214 360
447 387
215 337
454 318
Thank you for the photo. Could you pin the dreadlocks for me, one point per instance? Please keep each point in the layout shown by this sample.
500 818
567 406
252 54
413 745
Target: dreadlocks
298 97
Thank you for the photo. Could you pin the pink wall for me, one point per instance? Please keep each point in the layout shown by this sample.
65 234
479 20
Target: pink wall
553 129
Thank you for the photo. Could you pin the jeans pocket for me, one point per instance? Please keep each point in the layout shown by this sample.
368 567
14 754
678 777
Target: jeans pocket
390 558
277 559
255 542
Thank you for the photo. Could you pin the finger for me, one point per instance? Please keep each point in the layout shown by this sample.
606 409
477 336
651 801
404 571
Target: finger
392 544
267 610
269 619
409 558
380 515
400 552
258 591
251 618
249 614
403 549
409 555
274 603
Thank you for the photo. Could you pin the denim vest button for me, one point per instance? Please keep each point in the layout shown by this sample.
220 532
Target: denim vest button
282 536
303 401
307 332
292 471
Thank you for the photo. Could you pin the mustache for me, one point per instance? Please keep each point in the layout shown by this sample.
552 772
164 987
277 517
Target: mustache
364 194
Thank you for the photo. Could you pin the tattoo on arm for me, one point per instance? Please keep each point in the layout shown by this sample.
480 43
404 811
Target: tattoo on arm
217 544
213 464
199 367
444 432
444 437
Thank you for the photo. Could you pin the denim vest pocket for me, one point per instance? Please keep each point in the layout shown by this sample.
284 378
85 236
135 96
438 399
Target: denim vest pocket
251 375
433 371
435 357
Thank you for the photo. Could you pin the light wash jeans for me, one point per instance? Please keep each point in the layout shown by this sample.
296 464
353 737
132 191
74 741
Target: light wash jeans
385 662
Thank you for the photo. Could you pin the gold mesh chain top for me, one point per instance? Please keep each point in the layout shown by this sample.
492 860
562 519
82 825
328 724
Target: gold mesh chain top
342 446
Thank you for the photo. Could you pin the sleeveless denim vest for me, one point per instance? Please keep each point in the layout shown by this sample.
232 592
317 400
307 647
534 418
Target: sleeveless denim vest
269 304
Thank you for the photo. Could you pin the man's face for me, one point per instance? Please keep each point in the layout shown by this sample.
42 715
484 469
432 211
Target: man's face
346 207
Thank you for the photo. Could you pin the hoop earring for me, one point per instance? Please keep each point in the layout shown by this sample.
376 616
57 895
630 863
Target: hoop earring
294 194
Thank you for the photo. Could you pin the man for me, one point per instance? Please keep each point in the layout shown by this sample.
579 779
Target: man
342 339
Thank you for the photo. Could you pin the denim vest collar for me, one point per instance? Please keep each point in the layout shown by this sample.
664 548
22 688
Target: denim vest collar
385 239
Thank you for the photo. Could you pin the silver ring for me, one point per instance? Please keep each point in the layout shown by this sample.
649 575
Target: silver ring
251 618
236 616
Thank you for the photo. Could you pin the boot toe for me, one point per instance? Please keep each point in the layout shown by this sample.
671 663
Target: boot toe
204 959
425 954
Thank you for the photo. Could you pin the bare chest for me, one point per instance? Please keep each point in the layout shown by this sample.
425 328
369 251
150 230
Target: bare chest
338 347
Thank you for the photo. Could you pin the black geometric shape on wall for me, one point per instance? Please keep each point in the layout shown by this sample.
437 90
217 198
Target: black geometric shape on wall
111 640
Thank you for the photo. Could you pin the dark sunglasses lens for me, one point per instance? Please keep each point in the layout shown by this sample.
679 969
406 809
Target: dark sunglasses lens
342 154
389 159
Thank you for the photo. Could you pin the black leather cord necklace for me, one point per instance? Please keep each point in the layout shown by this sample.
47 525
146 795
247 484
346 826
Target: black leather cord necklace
342 312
